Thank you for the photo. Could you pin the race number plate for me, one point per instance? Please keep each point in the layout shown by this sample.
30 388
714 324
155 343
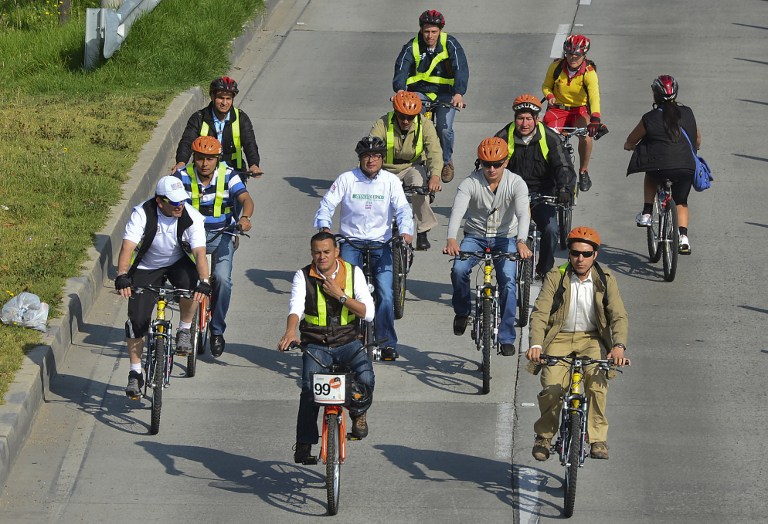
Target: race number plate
330 389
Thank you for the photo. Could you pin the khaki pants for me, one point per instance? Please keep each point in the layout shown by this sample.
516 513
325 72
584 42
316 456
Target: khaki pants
554 380
425 217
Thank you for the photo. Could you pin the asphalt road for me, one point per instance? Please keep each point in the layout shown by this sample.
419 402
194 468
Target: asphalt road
688 419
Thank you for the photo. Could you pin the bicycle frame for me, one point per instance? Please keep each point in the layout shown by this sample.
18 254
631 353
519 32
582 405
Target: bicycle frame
159 328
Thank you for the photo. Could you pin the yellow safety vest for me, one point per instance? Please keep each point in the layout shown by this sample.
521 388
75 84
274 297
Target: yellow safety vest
218 202
346 316
238 154
426 76
391 139
511 141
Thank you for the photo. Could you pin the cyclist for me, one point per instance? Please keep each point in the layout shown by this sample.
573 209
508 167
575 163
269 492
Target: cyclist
578 310
573 98
369 197
433 65
214 188
539 157
338 290
660 149
229 124
412 145
154 247
495 203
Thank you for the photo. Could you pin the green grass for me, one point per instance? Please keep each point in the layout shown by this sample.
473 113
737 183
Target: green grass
71 136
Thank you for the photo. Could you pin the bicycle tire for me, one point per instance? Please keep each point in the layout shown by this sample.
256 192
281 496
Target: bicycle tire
205 333
399 267
653 232
159 357
574 458
368 332
196 338
487 343
564 221
671 243
332 464
524 292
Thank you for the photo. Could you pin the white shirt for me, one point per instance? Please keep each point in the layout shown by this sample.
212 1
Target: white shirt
581 310
299 293
367 206
165 249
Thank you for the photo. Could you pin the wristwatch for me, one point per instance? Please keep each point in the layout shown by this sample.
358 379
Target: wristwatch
343 299
620 345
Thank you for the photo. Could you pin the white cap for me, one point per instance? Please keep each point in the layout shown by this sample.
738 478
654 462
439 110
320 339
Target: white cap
171 188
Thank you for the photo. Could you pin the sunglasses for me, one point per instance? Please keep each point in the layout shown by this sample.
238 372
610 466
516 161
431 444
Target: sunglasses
171 202
366 156
492 164
576 55
402 116
585 254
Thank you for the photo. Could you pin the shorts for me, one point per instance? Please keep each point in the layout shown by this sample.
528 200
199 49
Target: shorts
557 118
682 180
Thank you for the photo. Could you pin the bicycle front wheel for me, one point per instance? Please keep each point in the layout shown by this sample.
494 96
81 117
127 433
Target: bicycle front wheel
564 221
158 380
196 339
399 267
524 289
487 343
654 232
574 459
671 242
332 464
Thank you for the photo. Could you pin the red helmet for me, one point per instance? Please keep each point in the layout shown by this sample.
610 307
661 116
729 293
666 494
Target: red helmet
432 17
527 103
206 145
584 234
492 149
407 103
664 88
223 83
576 45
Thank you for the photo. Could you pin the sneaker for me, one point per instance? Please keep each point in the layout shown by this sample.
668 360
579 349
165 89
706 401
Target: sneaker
539 277
644 220
183 342
359 426
584 182
507 350
422 242
541 447
685 245
447 174
217 345
302 454
135 383
460 324
388 353
598 450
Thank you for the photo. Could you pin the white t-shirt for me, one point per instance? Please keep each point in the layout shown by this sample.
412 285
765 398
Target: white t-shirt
165 249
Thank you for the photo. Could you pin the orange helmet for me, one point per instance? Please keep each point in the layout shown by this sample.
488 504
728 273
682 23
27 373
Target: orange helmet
407 103
584 234
526 103
206 145
492 149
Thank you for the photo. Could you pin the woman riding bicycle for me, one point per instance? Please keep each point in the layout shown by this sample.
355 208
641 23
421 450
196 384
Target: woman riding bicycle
660 149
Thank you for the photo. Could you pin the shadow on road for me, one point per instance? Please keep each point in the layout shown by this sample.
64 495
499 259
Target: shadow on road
442 371
309 186
264 279
630 264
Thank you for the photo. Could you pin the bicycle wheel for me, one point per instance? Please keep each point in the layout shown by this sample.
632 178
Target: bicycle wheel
524 289
205 332
368 333
487 343
564 221
399 267
158 379
196 338
574 458
654 232
671 242
332 465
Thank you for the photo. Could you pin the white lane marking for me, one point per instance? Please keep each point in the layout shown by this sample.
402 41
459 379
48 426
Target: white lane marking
557 43
505 425
529 481
585 2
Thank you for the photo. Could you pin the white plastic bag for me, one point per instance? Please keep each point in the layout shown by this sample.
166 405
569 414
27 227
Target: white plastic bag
25 309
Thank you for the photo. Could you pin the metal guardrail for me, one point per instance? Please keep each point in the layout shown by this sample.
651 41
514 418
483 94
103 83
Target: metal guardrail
105 28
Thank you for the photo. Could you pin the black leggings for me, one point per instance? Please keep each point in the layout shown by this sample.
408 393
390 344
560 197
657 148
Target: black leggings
682 179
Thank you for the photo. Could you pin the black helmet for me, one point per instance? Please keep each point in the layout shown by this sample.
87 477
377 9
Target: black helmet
370 144
223 83
664 88
360 396
432 17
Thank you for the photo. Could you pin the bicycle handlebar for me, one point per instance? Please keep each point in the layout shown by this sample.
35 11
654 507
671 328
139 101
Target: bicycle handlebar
363 244
175 291
604 364
432 104
375 343
417 190
231 229
566 132
464 255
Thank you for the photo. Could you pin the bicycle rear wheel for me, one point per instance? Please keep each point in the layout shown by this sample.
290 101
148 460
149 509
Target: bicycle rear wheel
654 232
399 270
574 459
524 281
196 339
487 343
332 464
158 380
671 241
368 335
564 221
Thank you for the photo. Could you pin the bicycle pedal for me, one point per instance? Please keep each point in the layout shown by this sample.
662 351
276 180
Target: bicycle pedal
135 397
350 436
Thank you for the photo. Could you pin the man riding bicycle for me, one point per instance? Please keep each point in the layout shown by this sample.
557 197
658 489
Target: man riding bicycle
537 155
327 298
578 310
154 247
412 146
213 188
573 98
433 65
370 197
495 203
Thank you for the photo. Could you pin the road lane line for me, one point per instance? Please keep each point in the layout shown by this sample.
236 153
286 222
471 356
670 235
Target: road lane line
557 42
505 425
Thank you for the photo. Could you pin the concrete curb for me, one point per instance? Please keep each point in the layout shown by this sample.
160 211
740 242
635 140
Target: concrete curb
27 393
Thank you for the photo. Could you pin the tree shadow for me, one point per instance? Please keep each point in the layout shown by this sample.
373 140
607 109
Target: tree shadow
756 309
309 186
750 25
264 279
752 101
752 60
755 223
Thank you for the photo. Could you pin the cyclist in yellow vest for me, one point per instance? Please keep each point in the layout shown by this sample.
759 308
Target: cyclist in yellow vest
538 156
413 149
433 64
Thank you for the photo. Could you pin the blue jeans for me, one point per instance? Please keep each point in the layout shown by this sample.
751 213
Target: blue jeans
306 421
505 276
381 262
222 250
545 217
444 117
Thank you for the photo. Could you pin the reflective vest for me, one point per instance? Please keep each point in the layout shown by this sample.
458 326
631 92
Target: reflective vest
390 159
321 304
427 76
542 141
221 175
237 156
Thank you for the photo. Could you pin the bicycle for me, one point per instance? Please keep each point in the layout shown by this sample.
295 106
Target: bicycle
158 359
429 107
485 324
571 444
663 233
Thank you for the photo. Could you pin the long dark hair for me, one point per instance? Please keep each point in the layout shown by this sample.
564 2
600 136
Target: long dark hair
670 114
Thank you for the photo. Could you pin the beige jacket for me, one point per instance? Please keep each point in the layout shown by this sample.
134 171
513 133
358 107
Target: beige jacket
405 146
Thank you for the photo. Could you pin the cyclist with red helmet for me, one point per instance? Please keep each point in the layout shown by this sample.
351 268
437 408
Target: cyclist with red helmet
412 149
537 155
573 98
228 124
433 65
660 149
579 310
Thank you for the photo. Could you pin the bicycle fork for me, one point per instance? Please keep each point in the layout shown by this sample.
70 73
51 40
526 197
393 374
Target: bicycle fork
341 428
160 328
576 401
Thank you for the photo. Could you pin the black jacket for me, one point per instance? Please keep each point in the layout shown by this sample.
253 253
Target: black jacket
658 151
455 67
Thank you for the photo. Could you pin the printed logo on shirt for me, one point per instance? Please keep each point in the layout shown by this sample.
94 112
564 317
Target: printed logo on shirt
365 196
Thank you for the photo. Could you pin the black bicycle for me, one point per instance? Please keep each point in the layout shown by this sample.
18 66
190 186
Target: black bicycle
663 233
